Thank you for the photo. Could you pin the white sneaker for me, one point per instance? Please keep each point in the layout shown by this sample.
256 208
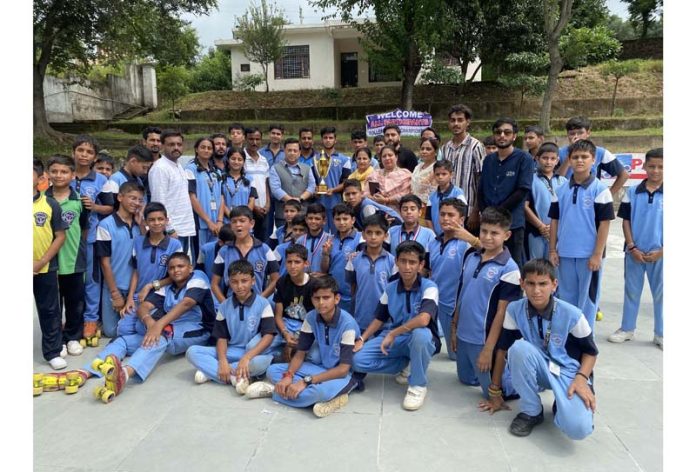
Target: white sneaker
415 396
402 377
242 386
74 348
200 378
322 409
58 363
620 336
657 340
259 390
64 352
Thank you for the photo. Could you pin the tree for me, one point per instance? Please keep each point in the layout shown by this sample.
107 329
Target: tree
403 34
586 46
617 70
172 84
212 72
643 13
463 33
261 31
71 35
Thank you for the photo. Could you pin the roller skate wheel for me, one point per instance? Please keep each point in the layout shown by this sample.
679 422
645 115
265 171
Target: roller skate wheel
106 369
600 316
107 396
83 342
70 389
38 391
96 363
97 392
38 377
94 342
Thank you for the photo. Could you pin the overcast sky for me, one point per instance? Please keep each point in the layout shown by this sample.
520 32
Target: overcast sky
219 24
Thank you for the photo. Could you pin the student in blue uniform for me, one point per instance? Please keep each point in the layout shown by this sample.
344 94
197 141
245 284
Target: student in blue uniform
325 383
580 213
338 250
138 162
410 303
410 209
445 259
171 320
339 170
236 187
297 229
442 170
114 249
364 207
536 210
548 344
239 354
211 250
368 271
291 208
489 281
642 213
316 237
248 248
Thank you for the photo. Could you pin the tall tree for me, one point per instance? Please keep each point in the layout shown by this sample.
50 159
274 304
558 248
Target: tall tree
643 13
405 33
556 16
463 33
261 31
70 35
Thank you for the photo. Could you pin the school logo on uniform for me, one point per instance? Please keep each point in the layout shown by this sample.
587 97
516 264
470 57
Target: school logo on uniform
163 259
510 173
252 323
556 340
491 273
336 161
258 266
40 218
452 252
68 217
587 202
416 307
337 349
91 192
383 277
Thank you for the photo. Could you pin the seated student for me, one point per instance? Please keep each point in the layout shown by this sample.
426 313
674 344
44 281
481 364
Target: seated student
326 382
297 229
364 207
410 303
489 281
580 213
245 247
445 189
210 250
114 249
170 320
240 319
410 209
293 300
368 271
548 344
445 259
336 252
316 237
291 208
104 164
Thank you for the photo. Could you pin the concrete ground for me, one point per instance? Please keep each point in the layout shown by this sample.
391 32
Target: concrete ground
168 423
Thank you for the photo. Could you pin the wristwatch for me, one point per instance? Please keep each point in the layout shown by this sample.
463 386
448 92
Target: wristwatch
307 379
156 284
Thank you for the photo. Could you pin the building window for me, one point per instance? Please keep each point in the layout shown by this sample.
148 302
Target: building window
244 67
294 64
379 73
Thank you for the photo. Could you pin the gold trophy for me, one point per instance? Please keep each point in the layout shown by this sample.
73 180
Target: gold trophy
323 165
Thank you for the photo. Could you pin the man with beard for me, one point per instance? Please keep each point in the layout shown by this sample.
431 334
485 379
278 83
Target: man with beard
151 140
506 179
169 185
220 145
307 151
406 159
256 170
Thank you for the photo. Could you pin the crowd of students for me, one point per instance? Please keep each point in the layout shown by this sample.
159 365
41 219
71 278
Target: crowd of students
265 283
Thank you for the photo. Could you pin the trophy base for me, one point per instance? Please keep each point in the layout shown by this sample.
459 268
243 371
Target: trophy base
322 189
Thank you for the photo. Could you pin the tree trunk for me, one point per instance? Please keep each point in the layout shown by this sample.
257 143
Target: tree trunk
42 129
613 98
551 82
645 25
411 68
265 75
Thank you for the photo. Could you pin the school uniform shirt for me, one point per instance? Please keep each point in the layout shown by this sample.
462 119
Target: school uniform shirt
445 260
270 157
115 240
309 160
604 161
278 237
239 322
72 256
483 285
560 332
644 210
210 251
169 185
370 278
314 245
260 256
579 208
339 170
335 339
501 178
397 235
205 183
47 220
197 288
151 261
256 170
369 207
93 185
237 192
539 198
341 250
398 305
116 180
432 210
295 299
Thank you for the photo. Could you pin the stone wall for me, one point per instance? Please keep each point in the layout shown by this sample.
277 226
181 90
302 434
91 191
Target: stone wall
649 48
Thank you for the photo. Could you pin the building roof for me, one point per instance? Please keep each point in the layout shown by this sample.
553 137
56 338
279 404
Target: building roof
334 29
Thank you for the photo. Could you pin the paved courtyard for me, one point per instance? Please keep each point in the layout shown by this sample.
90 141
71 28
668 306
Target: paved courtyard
170 424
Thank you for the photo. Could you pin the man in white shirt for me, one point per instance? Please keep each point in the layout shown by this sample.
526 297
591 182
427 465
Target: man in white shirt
256 170
170 186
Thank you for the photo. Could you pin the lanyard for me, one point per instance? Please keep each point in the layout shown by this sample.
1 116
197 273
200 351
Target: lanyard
547 183
545 337
315 247
229 190
408 238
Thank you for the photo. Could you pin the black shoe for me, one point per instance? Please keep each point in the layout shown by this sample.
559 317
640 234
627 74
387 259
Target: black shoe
523 424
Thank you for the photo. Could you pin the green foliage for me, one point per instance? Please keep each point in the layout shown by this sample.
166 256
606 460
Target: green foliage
586 46
527 62
619 69
438 73
462 35
212 72
589 13
651 65
247 82
622 29
643 13
172 83
525 84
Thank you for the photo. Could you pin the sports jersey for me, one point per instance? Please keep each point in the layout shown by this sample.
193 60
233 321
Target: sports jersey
47 220
335 339
370 279
397 235
239 322
445 260
72 257
645 212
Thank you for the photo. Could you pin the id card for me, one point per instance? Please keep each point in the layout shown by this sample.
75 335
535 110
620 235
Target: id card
213 205
554 368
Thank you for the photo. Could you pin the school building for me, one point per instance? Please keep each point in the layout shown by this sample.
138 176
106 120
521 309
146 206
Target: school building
317 56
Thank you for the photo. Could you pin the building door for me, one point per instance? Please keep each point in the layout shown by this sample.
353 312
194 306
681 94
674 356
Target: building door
349 69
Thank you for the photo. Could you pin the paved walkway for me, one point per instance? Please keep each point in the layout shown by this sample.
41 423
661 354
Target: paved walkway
170 424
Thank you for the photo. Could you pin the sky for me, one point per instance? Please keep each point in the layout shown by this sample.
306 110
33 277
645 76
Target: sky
219 24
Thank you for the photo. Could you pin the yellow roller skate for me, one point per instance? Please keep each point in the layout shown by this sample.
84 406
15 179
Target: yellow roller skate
600 315
69 381
90 334
114 380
